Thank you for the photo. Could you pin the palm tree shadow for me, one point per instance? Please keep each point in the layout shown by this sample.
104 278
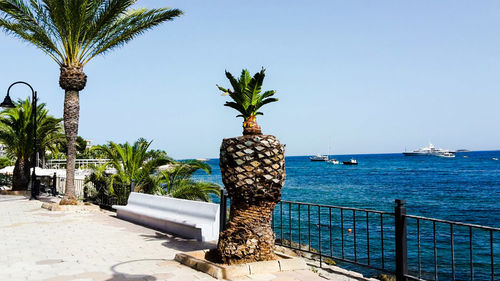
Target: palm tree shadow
180 244
119 275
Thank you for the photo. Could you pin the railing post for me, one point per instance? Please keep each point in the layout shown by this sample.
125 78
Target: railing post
223 210
54 184
132 189
401 242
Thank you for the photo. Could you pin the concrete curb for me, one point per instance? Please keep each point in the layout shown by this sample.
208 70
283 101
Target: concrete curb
196 260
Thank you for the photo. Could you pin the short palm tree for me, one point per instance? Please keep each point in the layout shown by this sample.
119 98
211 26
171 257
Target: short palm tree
16 132
138 164
177 181
253 172
73 32
247 98
133 163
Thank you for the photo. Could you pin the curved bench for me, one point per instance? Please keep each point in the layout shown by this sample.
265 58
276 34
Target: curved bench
185 218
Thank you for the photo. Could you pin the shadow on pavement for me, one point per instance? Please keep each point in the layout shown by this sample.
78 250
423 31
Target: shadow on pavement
180 244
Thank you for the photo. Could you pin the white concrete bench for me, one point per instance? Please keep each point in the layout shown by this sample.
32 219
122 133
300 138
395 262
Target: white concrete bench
186 218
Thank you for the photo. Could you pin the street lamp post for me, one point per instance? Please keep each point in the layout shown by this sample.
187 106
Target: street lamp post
7 103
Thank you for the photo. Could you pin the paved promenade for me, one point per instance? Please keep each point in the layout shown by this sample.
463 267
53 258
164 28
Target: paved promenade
37 244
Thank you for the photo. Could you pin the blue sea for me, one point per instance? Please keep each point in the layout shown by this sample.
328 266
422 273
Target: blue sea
464 189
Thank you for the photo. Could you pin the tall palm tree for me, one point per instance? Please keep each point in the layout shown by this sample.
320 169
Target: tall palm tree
247 98
73 32
16 132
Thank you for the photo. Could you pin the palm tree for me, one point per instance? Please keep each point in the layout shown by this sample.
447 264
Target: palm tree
138 164
73 32
16 132
133 163
247 98
176 181
253 173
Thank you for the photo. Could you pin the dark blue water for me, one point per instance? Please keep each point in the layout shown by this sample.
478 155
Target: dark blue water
464 189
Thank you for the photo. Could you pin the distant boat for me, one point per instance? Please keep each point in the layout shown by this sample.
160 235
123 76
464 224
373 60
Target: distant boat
319 157
202 159
431 150
446 155
351 162
494 158
334 161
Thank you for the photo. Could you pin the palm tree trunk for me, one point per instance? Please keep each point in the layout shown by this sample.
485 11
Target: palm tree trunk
253 172
71 116
248 236
21 174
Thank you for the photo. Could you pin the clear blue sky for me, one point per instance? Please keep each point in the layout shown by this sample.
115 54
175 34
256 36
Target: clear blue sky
361 76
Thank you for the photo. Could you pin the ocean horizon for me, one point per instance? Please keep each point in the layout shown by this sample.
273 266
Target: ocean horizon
432 186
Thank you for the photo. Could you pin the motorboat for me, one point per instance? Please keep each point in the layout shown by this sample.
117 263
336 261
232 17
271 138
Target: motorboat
350 162
334 161
431 150
319 157
446 154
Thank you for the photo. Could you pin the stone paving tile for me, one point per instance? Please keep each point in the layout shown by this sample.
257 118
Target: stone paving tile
82 245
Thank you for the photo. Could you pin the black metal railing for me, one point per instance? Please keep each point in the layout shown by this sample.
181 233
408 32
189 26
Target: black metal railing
407 246
455 250
105 199
353 235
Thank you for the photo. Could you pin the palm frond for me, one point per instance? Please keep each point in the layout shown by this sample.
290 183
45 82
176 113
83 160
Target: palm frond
72 32
246 93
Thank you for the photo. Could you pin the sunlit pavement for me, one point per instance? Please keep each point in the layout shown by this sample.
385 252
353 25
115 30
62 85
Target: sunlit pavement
37 244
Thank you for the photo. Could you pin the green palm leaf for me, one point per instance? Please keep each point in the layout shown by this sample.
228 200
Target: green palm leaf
246 93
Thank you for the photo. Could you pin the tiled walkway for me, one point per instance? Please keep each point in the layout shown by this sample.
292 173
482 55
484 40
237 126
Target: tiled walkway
36 244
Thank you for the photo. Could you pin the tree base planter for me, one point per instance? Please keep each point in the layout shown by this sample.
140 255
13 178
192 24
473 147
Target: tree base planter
198 261
68 201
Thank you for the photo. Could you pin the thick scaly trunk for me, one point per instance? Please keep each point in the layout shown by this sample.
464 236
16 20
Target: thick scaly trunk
72 80
253 172
21 174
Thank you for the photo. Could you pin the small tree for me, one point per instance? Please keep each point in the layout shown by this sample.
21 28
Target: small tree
16 132
177 182
139 164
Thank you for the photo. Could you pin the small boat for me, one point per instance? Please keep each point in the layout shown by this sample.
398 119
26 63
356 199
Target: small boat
446 155
334 161
494 158
319 157
350 162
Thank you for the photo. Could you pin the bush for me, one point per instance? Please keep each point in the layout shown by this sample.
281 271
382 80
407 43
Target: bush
4 162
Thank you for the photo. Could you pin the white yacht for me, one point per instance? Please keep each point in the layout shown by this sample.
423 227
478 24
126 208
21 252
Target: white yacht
319 157
431 150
